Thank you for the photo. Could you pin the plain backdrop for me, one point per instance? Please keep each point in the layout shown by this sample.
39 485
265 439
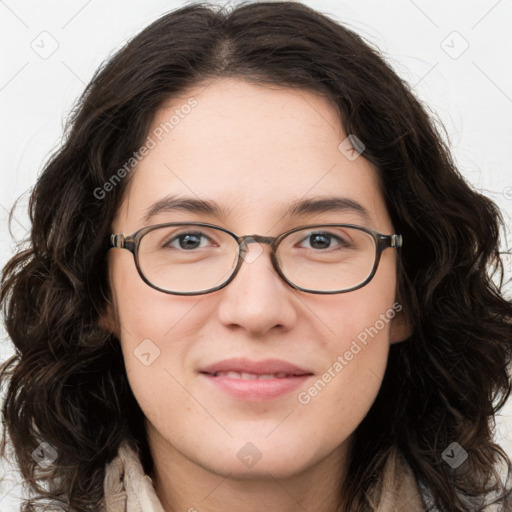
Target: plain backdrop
455 55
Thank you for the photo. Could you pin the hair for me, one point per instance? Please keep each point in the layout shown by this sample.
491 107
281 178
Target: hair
67 384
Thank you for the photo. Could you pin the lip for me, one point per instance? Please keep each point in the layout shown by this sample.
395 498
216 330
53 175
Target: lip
255 390
242 364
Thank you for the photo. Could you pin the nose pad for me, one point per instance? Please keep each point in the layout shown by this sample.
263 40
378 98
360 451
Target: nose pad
250 256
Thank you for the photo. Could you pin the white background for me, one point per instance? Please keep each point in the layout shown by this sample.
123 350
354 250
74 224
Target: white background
455 54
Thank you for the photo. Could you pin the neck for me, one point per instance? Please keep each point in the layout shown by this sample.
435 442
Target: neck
182 484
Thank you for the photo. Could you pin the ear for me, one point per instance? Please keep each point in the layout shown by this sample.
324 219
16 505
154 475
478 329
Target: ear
400 327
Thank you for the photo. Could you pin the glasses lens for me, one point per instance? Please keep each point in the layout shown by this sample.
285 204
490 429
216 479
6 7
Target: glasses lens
327 258
187 258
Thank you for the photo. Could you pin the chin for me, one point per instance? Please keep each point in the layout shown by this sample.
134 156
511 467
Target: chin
275 467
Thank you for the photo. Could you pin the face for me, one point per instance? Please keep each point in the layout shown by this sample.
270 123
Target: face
253 150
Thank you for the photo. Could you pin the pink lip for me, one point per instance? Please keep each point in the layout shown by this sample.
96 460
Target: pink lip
256 390
241 364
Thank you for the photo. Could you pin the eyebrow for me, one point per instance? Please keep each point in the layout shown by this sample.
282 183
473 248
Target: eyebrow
296 208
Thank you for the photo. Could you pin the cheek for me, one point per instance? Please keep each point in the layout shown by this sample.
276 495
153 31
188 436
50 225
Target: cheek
349 383
358 346
155 338
142 311
153 329
361 316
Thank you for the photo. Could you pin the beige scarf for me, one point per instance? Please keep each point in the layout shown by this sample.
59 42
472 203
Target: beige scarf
128 489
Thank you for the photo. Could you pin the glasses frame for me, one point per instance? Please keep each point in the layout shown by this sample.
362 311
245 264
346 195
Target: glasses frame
132 243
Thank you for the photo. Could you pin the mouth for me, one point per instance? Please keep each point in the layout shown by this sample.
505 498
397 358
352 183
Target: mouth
255 380
254 376
277 368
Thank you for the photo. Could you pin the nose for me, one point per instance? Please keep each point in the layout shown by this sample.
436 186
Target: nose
257 299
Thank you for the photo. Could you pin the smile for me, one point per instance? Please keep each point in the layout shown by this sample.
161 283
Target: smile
254 387
252 376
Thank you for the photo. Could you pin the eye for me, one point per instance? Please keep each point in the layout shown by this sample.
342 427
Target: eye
187 241
323 240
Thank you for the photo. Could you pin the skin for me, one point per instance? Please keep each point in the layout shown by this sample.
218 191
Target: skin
252 149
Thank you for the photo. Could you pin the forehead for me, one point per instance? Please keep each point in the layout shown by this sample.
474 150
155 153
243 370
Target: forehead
253 150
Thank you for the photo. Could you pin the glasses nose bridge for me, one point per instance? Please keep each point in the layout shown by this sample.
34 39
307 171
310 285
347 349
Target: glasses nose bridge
251 239
245 240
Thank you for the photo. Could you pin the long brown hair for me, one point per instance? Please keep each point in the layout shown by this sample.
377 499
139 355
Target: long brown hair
67 384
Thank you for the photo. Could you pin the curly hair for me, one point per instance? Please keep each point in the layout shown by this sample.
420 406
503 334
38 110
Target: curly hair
67 384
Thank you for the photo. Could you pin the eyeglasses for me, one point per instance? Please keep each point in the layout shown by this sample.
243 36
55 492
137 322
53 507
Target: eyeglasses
198 258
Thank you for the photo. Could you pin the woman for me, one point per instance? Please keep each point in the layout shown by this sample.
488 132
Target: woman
256 280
